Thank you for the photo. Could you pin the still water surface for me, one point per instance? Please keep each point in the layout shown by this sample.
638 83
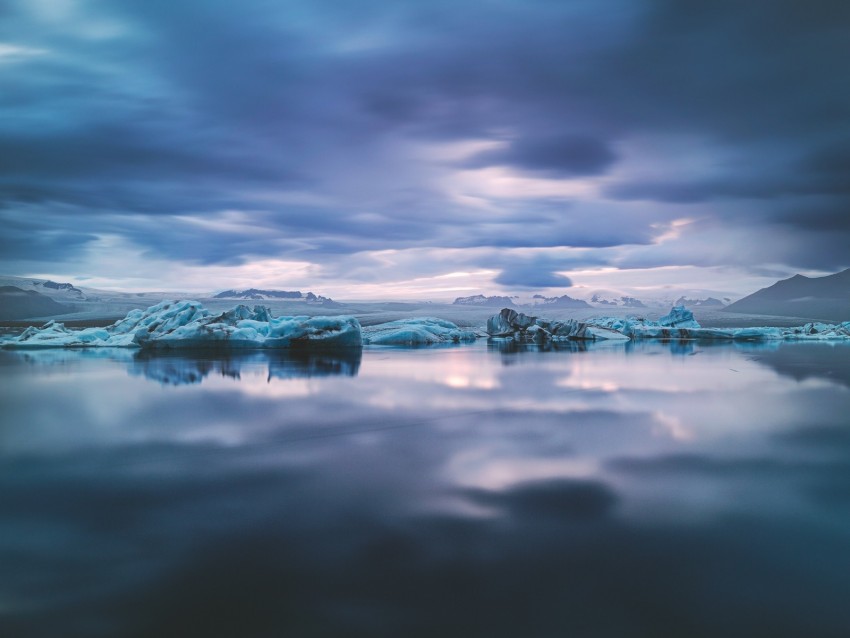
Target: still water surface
639 490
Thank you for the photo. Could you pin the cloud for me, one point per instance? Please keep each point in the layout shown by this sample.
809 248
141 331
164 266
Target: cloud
316 120
559 156
566 499
531 277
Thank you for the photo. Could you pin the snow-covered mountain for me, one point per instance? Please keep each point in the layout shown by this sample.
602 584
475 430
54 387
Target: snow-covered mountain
480 300
655 298
623 301
258 294
564 301
60 289
61 292
709 302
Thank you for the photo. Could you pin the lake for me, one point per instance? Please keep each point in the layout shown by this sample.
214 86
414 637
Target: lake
645 489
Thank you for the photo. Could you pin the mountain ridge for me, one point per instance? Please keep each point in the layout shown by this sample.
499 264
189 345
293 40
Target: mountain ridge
825 298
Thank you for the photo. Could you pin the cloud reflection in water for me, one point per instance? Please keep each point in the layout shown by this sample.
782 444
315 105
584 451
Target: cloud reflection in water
556 498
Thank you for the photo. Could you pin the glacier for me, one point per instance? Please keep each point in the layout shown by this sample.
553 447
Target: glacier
419 331
187 324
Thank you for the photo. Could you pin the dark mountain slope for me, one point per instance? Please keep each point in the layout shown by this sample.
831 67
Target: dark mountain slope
825 298
16 303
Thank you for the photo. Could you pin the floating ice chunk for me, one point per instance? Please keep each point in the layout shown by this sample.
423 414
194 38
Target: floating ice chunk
679 323
510 323
56 335
669 326
757 334
241 327
577 330
679 317
187 324
808 332
416 332
599 333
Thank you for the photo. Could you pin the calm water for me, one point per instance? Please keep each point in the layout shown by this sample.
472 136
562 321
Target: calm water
657 490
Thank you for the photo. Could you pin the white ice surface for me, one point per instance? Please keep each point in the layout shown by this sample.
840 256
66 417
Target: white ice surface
679 323
683 327
415 332
187 324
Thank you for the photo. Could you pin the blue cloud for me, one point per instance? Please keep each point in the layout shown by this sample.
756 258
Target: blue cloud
176 110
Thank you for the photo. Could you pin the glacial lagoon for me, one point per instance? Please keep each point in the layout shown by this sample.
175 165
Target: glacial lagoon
598 489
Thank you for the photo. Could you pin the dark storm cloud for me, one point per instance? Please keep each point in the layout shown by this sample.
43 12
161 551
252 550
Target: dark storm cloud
552 222
530 277
191 108
537 272
570 499
567 155
36 241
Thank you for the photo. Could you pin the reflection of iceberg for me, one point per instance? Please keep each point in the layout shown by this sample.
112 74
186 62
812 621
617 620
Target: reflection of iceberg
416 332
187 324
305 363
47 357
510 346
186 367
679 323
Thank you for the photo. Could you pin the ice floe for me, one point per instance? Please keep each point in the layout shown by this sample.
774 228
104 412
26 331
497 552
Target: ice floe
187 324
679 323
517 325
416 332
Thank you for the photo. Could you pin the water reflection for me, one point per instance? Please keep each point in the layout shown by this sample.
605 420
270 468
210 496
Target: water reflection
594 492
829 361
510 346
188 368
673 346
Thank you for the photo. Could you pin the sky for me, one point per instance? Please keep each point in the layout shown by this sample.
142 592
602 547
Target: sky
424 149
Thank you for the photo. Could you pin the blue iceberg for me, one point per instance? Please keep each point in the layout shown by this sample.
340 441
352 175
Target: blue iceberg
679 323
416 332
187 324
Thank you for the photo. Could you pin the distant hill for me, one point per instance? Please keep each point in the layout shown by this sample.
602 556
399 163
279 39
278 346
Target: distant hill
825 298
622 301
710 302
255 293
481 300
259 295
68 288
16 303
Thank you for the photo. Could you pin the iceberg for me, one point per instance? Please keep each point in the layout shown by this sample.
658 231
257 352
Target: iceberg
522 327
509 322
817 331
187 324
416 332
679 323
678 317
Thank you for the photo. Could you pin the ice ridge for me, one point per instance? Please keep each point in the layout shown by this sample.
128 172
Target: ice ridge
187 324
